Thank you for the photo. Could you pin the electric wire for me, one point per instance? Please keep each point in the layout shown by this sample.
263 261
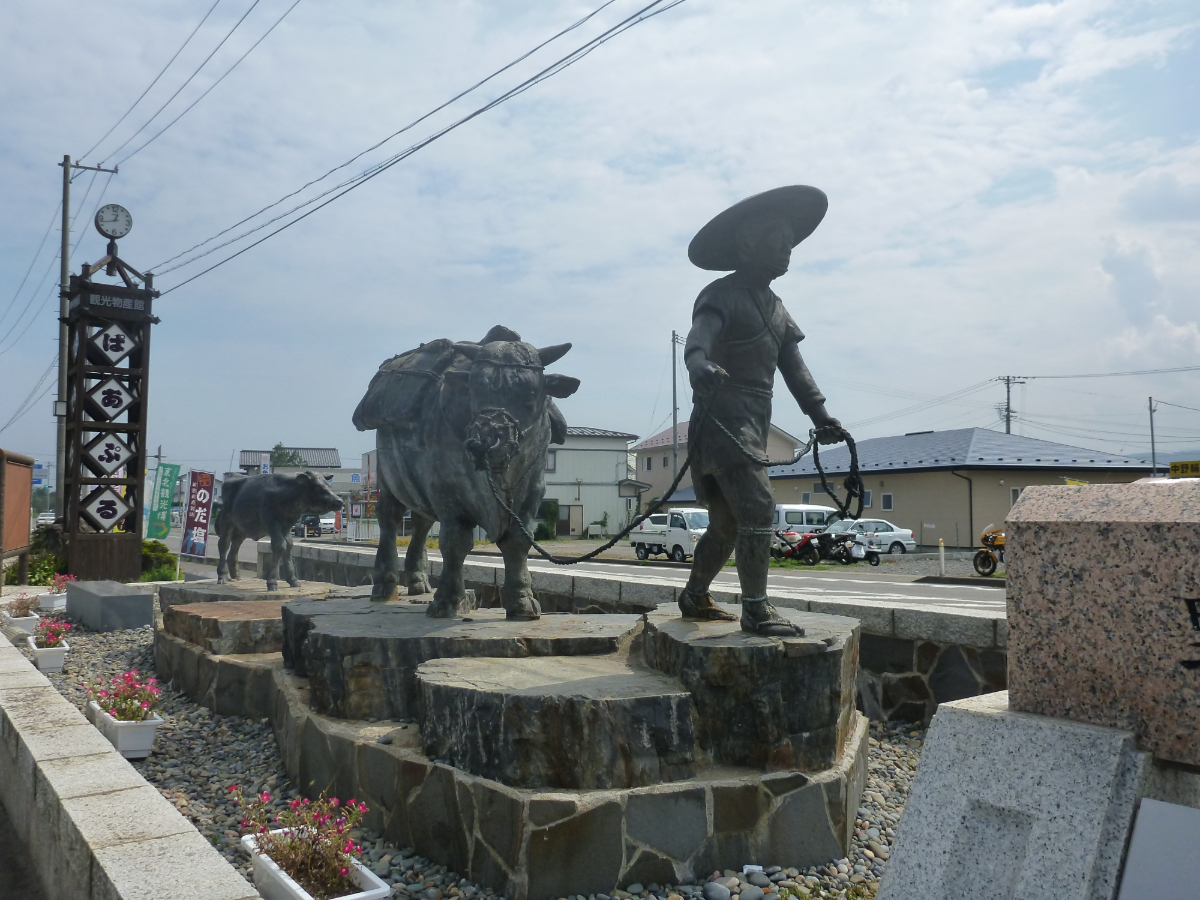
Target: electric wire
29 402
918 407
395 134
50 293
32 262
185 84
129 156
1177 406
553 69
152 83
1112 374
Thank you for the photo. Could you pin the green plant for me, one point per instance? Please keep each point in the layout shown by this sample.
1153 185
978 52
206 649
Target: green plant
50 633
42 569
22 607
544 532
155 555
286 457
308 840
126 697
58 584
165 572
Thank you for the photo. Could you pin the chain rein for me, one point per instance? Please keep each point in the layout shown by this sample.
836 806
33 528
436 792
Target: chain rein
853 484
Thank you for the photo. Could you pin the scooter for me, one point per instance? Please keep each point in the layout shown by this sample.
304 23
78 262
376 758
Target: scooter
800 547
811 548
847 550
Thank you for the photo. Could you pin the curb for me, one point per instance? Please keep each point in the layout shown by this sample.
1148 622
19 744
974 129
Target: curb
963 580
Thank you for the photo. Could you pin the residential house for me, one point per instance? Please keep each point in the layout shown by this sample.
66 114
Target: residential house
950 485
324 460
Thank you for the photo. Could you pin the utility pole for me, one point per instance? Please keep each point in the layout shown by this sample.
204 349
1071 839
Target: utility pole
1009 381
64 287
1153 452
674 409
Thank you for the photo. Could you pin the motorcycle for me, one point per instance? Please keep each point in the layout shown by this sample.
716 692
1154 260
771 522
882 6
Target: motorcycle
992 554
847 550
799 547
811 548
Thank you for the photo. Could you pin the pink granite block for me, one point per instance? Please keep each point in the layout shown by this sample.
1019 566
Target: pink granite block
1104 609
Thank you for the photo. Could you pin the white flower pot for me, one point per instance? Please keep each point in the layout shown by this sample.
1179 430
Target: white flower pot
133 740
49 659
22 623
274 884
52 602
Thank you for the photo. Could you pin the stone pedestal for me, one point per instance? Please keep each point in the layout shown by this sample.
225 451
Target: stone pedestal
1011 805
767 703
238 626
208 591
550 722
1104 609
109 605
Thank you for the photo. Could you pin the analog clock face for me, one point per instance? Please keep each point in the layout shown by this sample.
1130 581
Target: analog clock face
113 221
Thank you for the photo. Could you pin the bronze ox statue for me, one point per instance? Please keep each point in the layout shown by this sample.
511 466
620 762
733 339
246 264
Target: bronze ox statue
447 416
268 506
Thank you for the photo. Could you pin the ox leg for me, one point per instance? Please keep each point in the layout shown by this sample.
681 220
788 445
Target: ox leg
517 593
416 560
383 578
455 542
225 570
230 555
287 569
279 547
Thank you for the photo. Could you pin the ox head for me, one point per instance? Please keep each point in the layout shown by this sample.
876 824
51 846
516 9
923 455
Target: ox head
314 494
508 387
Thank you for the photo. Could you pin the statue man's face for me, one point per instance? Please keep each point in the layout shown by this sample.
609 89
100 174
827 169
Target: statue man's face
765 246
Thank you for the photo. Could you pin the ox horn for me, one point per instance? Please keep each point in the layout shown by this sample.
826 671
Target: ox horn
549 355
467 348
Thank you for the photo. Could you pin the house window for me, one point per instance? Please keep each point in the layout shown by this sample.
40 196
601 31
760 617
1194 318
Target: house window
649 462
866 499
806 497
886 504
666 461
1014 493
817 489
551 460
628 503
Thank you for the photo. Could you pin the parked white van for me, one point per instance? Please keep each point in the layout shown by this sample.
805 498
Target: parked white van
802 517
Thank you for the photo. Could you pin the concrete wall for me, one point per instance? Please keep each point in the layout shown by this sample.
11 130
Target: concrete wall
94 828
935 504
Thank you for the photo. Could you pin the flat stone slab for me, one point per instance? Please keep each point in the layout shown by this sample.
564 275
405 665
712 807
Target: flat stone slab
765 702
362 656
235 626
548 722
1104 609
208 591
109 605
1011 805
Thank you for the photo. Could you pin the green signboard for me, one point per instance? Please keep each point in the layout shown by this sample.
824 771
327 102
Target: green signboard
165 477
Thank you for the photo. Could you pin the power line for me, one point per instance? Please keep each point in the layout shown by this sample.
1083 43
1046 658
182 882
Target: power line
549 72
1109 374
32 262
379 144
185 84
28 403
210 87
1177 406
936 401
152 83
53 288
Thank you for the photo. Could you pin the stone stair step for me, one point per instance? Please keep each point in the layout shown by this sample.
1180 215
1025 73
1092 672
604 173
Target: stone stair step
236 626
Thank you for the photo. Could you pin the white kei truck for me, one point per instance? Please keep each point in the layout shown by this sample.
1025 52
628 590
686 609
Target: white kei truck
673 533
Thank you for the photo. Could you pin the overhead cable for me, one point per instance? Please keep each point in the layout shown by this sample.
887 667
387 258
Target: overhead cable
29 402
1111 374
550 71
32 262
918 407
376 146
185 84
152 83
128 156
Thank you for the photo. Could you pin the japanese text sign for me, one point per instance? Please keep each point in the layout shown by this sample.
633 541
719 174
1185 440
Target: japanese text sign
1189 469
196 523
165 477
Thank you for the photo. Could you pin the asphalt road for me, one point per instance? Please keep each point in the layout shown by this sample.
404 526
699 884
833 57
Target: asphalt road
859 582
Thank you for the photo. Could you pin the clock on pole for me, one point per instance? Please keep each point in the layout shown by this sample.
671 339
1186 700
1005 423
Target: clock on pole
113 221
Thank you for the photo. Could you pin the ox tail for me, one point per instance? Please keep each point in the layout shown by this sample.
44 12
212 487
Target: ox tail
229 492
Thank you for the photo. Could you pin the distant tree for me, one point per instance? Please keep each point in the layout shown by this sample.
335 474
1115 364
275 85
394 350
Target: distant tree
285 457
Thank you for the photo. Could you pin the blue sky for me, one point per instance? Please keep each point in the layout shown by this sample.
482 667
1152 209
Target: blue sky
1014 189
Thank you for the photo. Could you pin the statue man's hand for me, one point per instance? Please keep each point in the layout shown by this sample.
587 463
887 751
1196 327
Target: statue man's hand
707 376
829 429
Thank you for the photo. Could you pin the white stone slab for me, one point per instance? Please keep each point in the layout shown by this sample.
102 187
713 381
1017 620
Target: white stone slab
1013 806
1162 859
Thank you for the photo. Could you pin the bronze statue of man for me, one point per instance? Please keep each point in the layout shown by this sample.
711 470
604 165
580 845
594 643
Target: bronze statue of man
740 335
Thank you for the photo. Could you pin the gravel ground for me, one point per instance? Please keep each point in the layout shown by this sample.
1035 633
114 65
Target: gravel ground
199 754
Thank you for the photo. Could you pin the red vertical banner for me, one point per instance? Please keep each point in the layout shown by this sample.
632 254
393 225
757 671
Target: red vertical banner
196 523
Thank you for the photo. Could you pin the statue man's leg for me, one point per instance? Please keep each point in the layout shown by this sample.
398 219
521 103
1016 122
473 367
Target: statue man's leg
712 552
747 490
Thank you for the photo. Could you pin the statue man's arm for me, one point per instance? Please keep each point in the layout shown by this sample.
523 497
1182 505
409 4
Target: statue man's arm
800 382
703 372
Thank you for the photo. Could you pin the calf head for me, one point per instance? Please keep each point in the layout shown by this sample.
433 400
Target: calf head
314 494
508 388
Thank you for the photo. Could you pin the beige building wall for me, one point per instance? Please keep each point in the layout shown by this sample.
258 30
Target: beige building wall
937 504
780 447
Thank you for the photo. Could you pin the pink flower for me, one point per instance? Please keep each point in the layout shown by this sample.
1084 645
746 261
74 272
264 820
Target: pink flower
334 801
232 788
145 704
264 797
344 870
362 807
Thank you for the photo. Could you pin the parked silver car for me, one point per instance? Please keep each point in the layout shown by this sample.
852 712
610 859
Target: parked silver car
878 534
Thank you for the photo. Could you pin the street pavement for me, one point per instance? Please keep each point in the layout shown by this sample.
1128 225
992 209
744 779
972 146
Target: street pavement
858 582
